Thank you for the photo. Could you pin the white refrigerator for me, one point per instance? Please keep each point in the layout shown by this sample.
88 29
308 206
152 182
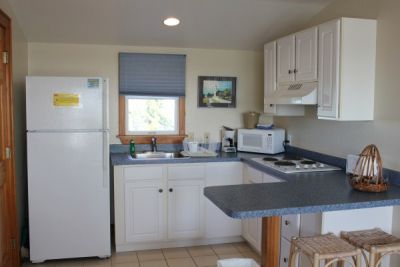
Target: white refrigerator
68 167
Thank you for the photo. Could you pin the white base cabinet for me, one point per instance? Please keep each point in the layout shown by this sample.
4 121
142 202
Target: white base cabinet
185 209
252 228
218 224
145 210
158 206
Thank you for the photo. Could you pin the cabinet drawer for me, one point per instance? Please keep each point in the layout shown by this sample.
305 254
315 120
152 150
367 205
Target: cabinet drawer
143 172
188 171
290 226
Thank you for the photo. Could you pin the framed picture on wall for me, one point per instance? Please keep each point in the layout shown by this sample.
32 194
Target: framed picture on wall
216 92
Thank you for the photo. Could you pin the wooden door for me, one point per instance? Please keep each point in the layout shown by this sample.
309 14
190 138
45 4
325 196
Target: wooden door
185 209
145 218
328 69
269 76
306 55
286 59
9 255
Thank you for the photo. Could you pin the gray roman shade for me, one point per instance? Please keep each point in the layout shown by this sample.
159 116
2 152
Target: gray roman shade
152 74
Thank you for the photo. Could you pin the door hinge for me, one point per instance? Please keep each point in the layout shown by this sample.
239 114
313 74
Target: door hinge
5 57
14 243
8 153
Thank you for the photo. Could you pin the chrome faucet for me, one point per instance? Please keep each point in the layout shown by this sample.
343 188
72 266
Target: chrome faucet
154 144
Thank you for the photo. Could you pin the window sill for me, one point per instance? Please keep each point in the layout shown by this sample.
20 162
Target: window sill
146 139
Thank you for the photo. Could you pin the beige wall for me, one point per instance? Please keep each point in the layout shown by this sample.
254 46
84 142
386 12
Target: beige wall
20 70
341 138
72 59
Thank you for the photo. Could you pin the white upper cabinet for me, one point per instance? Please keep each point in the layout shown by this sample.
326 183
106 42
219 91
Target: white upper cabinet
286 59
269 75
297 56
306 55
329 50
346 69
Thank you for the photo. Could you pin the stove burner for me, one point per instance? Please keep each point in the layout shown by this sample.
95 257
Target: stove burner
270 159
307 162
292 157
284 163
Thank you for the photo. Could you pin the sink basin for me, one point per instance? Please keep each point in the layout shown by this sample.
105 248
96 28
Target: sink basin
159 155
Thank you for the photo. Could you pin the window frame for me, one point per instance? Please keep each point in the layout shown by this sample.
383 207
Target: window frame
146 138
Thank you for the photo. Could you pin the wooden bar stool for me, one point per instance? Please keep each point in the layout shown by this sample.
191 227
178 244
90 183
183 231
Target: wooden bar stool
374 241
327 248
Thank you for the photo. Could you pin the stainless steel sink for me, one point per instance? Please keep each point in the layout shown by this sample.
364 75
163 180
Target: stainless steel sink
159 155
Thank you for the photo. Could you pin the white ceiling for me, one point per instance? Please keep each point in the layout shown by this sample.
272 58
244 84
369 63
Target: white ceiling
221 24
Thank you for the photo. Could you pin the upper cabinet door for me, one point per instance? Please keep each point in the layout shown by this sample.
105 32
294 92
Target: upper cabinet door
286 59
328 70
306 55
269 75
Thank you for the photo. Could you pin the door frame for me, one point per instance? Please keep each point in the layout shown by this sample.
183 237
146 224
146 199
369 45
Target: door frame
10 199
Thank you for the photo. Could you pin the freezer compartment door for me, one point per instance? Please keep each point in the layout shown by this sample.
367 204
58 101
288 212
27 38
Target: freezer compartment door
66 103
69 213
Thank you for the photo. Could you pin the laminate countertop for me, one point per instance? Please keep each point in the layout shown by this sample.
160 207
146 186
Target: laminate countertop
297 193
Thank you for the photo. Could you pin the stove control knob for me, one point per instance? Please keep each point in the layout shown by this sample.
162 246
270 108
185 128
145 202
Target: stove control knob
305 166
314 166
321 165
298 166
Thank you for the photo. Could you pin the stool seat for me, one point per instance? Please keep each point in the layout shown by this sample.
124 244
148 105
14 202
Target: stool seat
370 238
378 243
327 246
327 249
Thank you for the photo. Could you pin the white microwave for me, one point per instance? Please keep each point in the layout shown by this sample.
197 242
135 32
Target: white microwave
261 141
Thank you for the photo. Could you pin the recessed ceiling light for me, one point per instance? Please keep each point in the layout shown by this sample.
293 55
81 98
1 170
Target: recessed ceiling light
171 21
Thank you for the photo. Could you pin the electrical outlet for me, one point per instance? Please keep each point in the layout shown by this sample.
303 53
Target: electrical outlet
206 137
290 139
190 136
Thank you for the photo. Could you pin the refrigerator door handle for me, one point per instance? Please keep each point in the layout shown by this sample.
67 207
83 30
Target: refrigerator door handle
106 164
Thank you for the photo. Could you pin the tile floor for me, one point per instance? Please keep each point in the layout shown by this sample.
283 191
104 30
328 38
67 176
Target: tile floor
200 256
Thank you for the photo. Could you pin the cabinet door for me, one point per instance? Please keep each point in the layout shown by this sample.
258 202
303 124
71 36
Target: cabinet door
290 226
252 228
285 253
218 224
328 69
306 55
145 210
185 209
269 76
286 59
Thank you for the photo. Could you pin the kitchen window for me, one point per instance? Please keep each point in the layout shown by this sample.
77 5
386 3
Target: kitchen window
151 97
152 115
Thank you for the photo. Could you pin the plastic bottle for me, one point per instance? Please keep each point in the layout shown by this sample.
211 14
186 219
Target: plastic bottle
132 148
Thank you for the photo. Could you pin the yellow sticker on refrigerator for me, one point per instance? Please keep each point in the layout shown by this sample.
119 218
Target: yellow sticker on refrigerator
66 100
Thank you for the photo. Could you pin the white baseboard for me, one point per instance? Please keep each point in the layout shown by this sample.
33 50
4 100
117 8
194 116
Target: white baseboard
175 244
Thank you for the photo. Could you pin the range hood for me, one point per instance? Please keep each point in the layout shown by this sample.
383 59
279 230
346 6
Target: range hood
300 93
